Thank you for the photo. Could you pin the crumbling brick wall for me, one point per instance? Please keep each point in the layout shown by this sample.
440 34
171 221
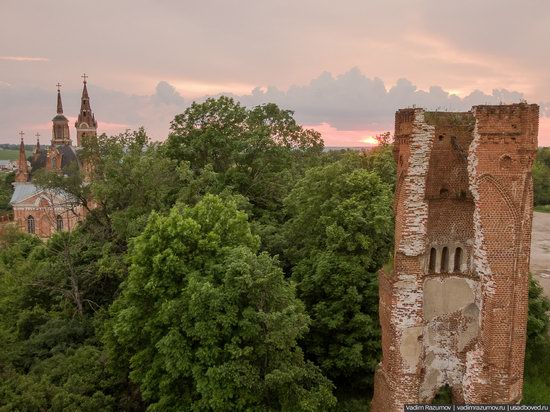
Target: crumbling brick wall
454 310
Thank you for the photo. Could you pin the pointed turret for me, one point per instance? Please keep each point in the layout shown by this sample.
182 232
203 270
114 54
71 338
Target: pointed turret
22 174
36 151
86 125
59 103
60 127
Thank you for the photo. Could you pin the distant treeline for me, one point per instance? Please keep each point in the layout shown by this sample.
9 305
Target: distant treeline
12 146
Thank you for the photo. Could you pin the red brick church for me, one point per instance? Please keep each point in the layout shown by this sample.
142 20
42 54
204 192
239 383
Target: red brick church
41 211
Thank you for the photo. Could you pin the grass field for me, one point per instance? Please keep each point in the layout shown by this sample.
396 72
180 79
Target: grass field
11 154
545 208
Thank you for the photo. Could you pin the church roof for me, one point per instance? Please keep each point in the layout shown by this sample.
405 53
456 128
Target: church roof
23 191
26 190
60 117
68 154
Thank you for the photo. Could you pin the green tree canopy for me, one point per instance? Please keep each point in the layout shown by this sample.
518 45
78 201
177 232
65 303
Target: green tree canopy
257 151
541 176
340 232
207 324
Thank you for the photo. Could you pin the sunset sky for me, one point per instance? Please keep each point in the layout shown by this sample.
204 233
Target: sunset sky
343 67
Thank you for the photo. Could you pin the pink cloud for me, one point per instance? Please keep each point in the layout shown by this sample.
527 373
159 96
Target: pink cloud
24 59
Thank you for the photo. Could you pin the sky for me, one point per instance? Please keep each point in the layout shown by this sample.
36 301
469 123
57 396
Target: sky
343 67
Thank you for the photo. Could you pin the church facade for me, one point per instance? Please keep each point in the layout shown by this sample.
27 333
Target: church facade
43 211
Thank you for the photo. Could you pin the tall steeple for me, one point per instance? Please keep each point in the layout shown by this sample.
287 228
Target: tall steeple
59 103
22 174
60 127
86 125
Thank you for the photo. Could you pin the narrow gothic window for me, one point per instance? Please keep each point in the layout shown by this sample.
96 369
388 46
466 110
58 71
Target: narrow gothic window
59 223
445 259
458 259
30 224
433 255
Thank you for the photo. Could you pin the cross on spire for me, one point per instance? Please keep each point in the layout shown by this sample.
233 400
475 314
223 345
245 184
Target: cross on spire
58 86
21 133
37 136
84 76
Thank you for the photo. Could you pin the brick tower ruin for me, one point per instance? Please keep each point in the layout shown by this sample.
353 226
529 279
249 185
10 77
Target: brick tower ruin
454 310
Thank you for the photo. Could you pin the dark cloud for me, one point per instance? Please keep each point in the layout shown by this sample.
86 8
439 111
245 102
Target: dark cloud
165 93
353 101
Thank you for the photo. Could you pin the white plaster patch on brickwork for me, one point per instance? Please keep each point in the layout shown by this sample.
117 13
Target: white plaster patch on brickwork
444 295
407 310
406 315
480 261
411 348
444 360
473 374
442 344
415 220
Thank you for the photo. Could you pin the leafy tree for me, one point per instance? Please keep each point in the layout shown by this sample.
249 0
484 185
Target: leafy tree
538 321
258 153
207 324
541 176
536 388
339 234
51 357
6 190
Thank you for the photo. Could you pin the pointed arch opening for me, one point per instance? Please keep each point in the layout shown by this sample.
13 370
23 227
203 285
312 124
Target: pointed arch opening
433 256
31 224
445 259
458 259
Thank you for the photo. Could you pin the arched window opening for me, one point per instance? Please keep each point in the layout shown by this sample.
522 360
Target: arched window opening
444 192
458 259
31 227
440 137
59 223
433 255
445 259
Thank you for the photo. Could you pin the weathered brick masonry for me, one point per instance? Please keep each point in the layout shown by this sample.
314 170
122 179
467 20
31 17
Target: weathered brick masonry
454 310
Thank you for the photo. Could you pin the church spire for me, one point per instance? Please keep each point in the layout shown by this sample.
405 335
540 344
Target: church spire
22 174
60 127
86 125
59 104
